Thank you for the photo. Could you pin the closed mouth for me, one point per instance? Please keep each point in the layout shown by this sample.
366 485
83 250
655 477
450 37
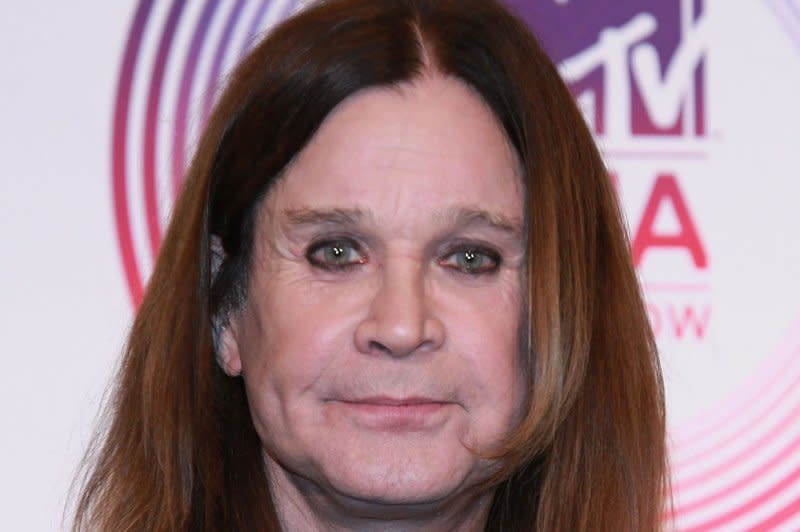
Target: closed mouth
397 414
392 401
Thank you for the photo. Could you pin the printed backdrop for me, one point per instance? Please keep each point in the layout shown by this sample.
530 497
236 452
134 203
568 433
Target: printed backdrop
693 102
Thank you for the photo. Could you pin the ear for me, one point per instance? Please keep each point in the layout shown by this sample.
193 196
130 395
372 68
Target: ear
227 347
225 343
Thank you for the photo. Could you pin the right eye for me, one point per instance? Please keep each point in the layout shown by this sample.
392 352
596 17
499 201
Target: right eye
335 255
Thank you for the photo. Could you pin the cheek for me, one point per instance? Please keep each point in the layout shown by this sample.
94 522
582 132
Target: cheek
290 347
483 325
303 327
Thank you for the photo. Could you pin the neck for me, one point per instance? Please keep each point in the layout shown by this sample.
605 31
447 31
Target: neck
304 505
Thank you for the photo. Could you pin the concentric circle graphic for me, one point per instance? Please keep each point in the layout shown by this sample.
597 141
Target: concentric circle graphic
736 459
173 62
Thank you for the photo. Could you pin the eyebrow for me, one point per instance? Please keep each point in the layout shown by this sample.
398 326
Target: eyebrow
456 216
335 216
470 216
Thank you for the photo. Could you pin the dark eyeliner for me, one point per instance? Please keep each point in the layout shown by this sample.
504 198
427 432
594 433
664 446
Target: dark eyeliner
464 246
315 246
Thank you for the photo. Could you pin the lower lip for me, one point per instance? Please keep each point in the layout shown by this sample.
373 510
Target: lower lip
411 416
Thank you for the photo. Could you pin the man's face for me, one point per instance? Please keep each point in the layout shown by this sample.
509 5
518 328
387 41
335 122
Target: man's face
379 342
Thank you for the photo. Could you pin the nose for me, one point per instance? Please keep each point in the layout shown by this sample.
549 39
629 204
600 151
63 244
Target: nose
400 320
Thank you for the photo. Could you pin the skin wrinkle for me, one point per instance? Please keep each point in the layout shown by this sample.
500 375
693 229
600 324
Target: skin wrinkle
457 216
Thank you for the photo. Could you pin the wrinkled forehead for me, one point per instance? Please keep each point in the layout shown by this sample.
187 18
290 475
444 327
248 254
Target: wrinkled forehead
427 147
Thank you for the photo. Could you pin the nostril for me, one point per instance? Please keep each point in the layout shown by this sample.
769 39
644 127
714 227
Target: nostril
377 346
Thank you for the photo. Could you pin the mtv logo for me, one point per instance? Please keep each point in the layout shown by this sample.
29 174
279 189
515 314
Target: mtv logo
636 68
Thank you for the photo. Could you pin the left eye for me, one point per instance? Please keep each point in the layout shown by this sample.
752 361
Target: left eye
335 255
472 261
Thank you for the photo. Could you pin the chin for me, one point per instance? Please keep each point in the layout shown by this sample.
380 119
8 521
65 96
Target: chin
400 473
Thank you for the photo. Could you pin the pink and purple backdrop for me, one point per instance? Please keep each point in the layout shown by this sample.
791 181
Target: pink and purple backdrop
693 102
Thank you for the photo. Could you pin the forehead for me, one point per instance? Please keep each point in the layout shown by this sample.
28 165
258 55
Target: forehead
421 147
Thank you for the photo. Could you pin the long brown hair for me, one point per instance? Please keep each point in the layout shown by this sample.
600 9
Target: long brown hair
180 452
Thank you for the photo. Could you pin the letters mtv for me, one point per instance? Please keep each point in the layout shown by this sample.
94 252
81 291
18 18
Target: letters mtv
635 67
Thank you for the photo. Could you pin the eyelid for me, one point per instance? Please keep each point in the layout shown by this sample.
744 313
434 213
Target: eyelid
466 244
